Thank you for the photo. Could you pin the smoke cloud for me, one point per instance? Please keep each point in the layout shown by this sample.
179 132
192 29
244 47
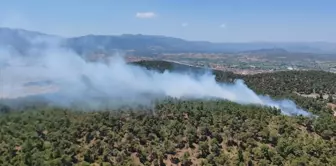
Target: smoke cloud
64 77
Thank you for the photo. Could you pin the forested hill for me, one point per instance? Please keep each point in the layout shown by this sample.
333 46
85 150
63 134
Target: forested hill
23 41
276 83
282 84
180 132
161 66
305 82
177 132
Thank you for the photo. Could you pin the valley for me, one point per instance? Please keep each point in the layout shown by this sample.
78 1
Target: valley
164 101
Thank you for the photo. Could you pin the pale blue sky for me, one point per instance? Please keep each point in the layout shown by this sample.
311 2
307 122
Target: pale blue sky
211 20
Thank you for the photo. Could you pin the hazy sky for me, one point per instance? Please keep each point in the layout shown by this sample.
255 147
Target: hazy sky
212 20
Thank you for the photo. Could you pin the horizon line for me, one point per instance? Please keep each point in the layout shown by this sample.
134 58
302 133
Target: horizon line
161 35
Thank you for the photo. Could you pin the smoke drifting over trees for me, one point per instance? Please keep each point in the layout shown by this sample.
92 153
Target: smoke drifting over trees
75 80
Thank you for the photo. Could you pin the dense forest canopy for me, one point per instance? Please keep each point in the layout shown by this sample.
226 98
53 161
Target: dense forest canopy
179 132
185 132
305 82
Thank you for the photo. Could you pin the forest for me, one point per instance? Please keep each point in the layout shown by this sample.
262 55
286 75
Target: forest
180 132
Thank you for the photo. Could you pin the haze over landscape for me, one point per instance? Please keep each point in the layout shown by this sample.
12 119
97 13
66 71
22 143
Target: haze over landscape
167 83
115 80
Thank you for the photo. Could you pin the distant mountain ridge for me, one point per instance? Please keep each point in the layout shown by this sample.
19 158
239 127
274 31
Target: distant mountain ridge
22 40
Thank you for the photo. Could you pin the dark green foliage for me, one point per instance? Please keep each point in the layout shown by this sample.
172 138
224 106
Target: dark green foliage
330 98
162 66
284 84
274 84
4 108
179 132
304 82
183 132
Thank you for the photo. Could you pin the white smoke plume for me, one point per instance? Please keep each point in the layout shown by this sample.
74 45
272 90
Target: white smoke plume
70 78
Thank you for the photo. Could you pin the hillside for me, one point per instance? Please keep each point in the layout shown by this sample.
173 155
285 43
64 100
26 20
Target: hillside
149 45
284 84
161 66
275 83
19 41
177 132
